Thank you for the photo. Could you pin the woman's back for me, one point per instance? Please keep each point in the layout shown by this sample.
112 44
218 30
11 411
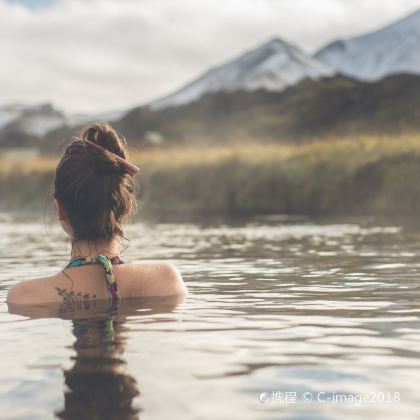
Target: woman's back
94 196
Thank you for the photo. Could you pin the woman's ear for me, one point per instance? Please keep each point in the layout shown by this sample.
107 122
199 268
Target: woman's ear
61 213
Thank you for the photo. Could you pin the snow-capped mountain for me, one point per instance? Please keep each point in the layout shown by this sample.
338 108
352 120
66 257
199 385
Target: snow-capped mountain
36 119
9 113
39 120
391 50
272 66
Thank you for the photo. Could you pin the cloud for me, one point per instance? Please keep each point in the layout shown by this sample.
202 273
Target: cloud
33 4
95 55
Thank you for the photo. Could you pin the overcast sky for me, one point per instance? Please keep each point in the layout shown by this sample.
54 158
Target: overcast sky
99 55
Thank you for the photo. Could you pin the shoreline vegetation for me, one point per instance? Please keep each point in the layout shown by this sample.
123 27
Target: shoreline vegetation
362 175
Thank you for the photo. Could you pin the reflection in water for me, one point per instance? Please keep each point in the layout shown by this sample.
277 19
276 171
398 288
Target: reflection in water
99 385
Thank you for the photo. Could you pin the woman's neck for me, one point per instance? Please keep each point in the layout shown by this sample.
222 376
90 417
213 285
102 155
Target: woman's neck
93 249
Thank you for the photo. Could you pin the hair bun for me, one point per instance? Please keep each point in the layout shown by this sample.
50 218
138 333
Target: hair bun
105 136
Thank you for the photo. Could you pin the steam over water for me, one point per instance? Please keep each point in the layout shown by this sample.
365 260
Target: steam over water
285 319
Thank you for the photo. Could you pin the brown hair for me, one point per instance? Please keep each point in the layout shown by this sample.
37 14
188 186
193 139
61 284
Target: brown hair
96 191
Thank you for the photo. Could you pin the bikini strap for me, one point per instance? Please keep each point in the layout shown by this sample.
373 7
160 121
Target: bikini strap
79 261
106 264
111 282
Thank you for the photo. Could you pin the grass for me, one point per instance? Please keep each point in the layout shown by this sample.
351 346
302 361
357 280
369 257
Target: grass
350 150
338 175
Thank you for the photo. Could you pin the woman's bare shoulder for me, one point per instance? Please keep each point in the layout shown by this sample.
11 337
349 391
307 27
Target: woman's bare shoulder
30 291
159 278
145 279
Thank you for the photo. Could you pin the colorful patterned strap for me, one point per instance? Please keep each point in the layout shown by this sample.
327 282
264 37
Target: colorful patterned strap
106 263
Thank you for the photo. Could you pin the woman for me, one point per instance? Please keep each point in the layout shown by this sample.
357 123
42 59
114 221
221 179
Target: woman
94 196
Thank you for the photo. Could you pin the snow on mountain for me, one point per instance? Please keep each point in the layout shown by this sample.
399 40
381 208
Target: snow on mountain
39 120
272 66
36 119
391 50
9 113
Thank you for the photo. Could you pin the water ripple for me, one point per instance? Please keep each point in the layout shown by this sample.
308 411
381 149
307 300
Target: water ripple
274 304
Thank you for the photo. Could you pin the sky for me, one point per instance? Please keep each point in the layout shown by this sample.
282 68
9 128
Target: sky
91 56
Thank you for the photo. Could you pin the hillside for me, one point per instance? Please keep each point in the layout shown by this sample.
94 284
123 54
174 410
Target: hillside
310 109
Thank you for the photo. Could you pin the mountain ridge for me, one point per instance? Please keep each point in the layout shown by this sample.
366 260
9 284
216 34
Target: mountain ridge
392 49
273 65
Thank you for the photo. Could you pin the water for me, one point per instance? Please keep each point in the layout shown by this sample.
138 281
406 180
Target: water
282 311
